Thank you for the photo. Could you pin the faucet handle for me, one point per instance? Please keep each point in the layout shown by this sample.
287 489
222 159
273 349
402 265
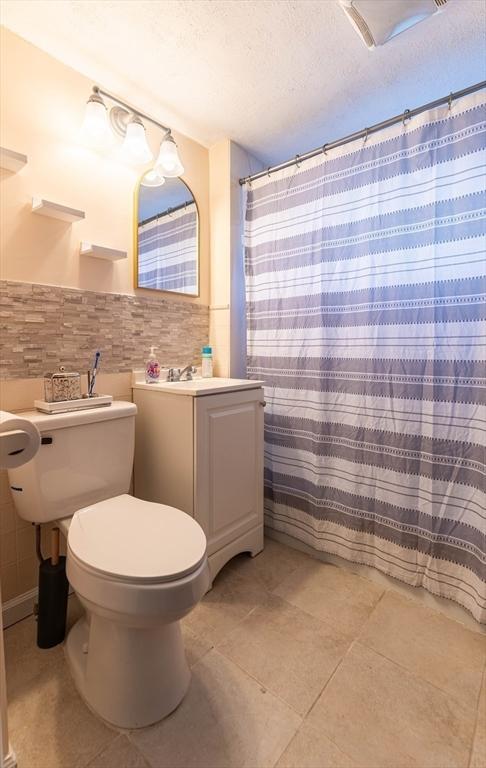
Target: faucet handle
173 374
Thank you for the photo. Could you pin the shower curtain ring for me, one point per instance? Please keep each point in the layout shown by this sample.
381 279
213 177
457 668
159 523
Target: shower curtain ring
449 101
268 171
324 149
367 130
297 161
406 116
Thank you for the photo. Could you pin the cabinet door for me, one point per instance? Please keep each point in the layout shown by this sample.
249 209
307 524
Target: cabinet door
228 462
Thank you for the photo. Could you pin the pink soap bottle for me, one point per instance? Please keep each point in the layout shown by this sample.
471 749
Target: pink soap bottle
152 368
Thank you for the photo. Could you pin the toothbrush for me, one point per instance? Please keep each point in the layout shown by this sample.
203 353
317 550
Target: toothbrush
93 374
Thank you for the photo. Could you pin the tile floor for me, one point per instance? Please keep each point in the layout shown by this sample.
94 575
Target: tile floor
295 664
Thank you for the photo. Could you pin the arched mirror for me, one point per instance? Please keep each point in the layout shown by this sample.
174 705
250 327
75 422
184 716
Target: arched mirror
167 236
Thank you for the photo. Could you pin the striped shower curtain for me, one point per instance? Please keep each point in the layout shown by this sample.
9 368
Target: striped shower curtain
167 251
365 300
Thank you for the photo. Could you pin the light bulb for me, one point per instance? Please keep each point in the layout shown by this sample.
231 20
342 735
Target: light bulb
135 147
152 179
168 162
95 129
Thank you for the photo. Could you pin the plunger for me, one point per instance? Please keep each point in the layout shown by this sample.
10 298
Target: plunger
53 595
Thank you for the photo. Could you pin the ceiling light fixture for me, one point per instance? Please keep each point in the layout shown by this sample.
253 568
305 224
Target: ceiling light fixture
127 122
376 22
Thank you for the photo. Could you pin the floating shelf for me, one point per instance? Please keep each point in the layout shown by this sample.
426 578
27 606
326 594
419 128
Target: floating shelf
101 252
12 161
55 210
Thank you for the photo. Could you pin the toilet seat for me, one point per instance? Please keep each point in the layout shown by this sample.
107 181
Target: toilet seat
135 541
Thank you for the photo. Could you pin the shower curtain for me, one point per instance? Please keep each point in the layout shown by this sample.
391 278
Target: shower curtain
365 309
167 244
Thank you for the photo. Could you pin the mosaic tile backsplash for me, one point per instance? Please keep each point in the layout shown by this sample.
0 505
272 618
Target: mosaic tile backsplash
42 327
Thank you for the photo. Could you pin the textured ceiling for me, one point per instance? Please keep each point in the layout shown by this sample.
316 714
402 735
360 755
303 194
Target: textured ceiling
277 76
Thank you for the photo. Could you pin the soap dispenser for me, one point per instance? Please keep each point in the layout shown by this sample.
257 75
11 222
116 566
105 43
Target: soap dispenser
152 368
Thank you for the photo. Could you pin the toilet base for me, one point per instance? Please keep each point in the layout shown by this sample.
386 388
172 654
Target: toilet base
130 676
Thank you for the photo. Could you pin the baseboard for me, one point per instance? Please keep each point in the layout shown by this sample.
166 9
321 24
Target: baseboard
9 760
19 607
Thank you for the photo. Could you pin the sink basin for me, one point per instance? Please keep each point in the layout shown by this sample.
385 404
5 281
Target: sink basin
197 387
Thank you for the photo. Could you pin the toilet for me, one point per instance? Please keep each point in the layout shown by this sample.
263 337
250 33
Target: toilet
137 567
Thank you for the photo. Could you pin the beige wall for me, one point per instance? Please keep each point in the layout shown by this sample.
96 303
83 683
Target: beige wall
228 162
220 244
42 107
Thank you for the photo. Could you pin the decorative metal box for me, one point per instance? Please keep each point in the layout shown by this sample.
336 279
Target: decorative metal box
62 386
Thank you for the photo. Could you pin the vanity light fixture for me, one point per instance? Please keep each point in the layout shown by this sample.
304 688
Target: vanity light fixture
95 129
135 145
127 123
168 162
152 179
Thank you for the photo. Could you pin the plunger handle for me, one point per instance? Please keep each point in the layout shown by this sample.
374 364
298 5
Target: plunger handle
54 546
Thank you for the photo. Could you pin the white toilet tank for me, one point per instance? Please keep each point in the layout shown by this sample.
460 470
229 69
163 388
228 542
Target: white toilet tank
85 457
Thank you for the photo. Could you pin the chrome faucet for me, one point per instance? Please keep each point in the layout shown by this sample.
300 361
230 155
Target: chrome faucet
176 374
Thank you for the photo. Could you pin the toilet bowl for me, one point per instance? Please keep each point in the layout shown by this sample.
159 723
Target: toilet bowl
137 567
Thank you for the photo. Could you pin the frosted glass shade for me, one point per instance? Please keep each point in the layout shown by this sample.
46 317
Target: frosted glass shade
152 179
95 129
135 147
168 162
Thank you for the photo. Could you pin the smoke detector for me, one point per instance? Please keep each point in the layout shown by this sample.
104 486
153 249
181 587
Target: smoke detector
377 21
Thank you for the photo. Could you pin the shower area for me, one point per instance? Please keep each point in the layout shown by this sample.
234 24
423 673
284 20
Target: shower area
365 282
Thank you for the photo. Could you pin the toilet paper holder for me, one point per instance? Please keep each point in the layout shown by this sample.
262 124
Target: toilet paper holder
19 440
12 443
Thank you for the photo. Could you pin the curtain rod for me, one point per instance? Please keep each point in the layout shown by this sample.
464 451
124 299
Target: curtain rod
365 132
165 213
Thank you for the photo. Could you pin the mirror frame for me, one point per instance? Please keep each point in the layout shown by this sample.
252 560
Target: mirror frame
135 246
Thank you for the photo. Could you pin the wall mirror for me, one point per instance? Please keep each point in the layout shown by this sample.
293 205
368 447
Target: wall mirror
167 236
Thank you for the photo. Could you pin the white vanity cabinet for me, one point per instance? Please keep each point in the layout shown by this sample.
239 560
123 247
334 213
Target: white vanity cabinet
199 447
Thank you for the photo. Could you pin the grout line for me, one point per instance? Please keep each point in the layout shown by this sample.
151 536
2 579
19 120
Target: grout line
197 637
139 749
331 677
367 621
327 682
235 627
265 688
116 735
326 736
261 685
272 691
415 675
476 721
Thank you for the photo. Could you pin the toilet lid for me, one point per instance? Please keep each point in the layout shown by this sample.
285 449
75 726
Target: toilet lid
137 540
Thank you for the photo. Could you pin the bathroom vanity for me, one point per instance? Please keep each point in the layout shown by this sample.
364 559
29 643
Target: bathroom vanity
199 447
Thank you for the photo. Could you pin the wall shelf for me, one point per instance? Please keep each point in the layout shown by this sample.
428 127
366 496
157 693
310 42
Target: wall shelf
12 161
101 252
55 210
